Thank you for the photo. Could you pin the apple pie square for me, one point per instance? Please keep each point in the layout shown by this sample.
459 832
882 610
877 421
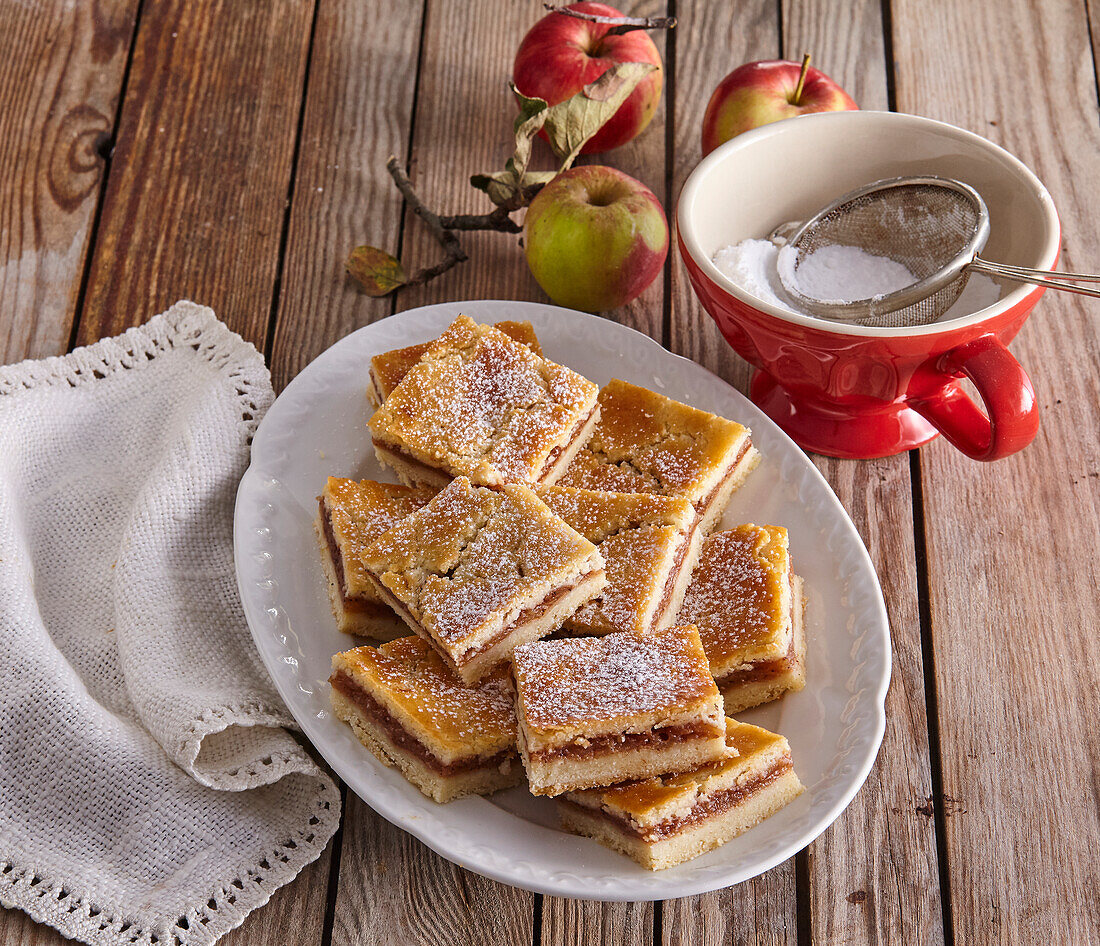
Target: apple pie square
645 442
649 546
748 606
351 515
478 571
661 822
387 369
481 405
594 711
410 711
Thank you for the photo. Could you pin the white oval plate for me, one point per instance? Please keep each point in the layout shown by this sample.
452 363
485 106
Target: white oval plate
317 427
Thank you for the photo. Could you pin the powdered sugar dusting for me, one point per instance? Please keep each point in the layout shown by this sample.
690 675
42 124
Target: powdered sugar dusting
415 677
602 679
754 266
482 405
475 555
637 534
736 592
646 442
363 511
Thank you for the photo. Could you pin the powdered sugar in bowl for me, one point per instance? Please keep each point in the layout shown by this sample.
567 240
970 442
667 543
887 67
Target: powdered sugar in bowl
861 391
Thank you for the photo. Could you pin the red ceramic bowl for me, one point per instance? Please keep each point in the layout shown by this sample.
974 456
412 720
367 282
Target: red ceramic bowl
849 390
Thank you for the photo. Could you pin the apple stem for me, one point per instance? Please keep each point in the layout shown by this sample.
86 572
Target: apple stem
797 98
619 24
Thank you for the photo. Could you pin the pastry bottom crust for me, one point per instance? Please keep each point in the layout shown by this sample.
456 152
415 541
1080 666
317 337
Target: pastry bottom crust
361 618
710 508
676 587
788 678
482 780
557 775
694 838
522 631
554 468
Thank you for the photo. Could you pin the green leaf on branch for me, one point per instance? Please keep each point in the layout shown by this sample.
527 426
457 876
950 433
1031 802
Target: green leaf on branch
571 123
375 270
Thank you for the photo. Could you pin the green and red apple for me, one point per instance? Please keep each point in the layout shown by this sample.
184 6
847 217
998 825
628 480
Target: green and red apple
759 93
561 54
595 238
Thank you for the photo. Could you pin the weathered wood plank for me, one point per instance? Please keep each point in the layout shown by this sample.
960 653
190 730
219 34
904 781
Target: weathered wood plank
196 199
18 929
711 39
582 922
194 207
1011 578
887 892
358 110
61 68
575 922
393 889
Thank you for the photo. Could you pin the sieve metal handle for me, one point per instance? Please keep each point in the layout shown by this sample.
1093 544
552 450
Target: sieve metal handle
1038 277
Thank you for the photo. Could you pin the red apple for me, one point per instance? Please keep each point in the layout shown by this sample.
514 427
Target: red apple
561 54
595 238
758 93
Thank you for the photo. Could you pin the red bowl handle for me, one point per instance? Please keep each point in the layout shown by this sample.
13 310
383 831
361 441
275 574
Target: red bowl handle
1011 417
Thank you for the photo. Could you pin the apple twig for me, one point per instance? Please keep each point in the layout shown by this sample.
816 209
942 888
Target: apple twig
567 125
620 24
452 248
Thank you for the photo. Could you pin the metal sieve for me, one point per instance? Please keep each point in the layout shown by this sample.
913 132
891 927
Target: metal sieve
934 226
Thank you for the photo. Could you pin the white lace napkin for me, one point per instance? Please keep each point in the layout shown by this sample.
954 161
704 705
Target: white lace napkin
149 791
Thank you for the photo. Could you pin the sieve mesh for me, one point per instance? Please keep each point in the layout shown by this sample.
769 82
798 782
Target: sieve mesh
932 226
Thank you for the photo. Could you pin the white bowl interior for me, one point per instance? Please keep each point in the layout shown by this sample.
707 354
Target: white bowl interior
791 169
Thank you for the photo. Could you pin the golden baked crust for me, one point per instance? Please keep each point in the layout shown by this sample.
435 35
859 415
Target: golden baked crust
665 821
645 442
387 369
646 543
359 512
454 721
740 597
481 405
617 683
467 568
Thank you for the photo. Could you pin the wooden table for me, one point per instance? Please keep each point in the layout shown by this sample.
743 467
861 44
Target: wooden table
232 152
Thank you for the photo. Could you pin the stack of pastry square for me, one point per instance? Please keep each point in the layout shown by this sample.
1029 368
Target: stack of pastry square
533 504
630 731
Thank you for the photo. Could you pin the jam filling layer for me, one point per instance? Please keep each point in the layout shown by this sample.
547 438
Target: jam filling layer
552 457
524 617
618 742
351 604
709 806
702 505
674 572
402 738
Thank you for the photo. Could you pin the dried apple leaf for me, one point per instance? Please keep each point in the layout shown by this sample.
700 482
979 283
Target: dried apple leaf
571 123
568 126
375 270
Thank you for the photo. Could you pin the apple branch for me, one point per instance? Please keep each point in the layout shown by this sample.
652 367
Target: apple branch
454 254
568 125
619 24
